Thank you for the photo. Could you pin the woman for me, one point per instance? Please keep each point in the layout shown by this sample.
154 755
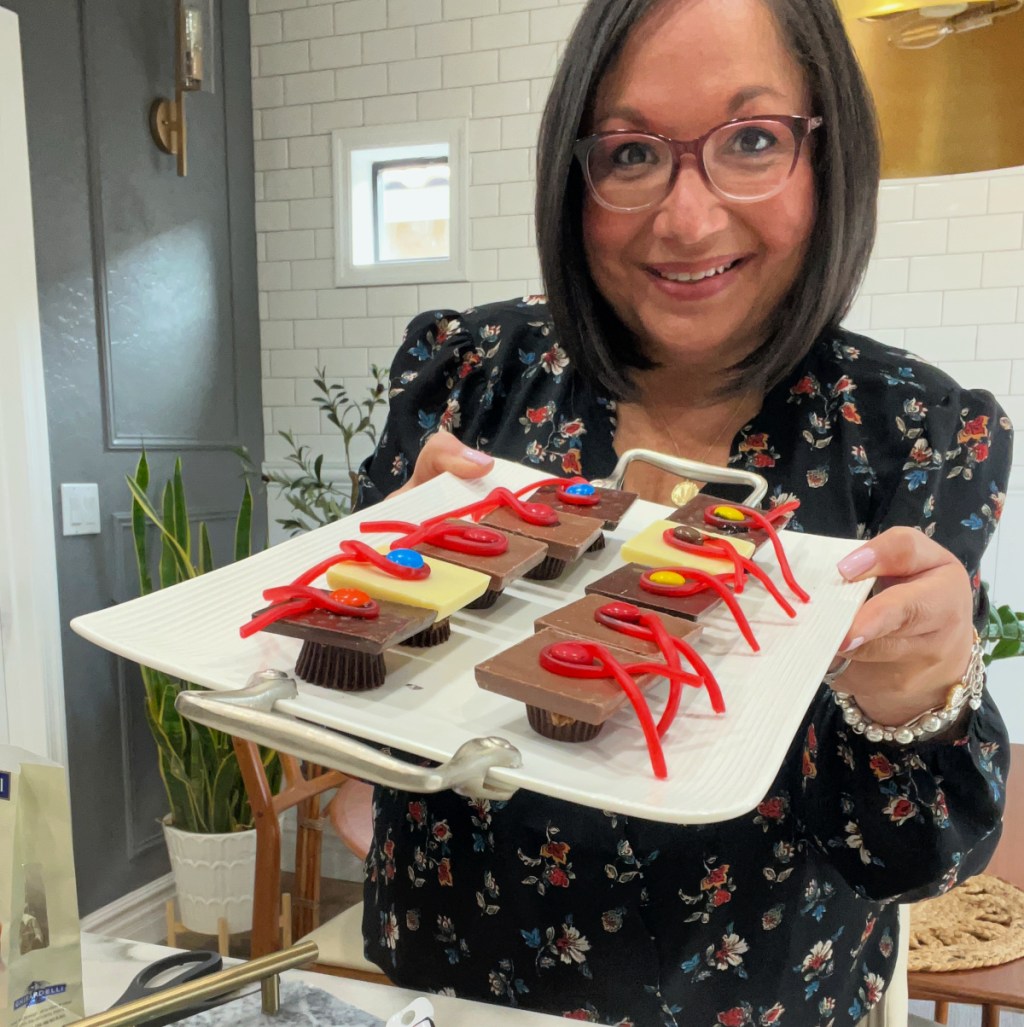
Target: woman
695 291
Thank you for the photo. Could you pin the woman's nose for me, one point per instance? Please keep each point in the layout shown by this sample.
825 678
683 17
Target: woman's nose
692 210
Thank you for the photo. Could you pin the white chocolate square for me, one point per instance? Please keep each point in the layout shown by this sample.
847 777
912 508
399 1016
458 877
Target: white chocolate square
447 589
649 549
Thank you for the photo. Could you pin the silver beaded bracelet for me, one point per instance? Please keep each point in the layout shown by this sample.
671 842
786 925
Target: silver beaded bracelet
966 692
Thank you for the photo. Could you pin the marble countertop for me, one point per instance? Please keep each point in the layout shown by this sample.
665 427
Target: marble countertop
109 964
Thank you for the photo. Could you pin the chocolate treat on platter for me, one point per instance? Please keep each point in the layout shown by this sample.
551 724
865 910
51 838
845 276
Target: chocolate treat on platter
610 508
624 584
439 586
566 540
522 556
692 514
563 708
606 505
578 619
347 653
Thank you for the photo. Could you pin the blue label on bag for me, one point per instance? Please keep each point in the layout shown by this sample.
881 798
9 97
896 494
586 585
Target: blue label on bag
38 992
5 784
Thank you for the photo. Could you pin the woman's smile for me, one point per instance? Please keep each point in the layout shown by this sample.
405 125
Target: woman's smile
695 281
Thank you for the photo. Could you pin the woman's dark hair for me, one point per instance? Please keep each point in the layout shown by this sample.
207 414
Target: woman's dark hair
845 159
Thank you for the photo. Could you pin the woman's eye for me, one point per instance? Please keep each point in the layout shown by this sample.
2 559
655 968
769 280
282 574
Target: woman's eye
632 155
752 140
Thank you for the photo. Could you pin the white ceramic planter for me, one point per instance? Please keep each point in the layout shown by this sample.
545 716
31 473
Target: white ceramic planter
213 876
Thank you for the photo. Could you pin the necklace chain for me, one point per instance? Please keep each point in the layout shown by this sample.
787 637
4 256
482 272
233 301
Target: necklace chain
685 489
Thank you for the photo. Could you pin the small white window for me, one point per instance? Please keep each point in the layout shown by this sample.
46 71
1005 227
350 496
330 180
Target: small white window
400 204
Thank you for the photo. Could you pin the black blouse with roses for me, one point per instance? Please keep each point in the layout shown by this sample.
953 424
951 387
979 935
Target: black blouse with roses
782 916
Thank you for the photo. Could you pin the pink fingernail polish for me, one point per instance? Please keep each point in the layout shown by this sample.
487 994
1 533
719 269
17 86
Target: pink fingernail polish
859 561
476 456
854 644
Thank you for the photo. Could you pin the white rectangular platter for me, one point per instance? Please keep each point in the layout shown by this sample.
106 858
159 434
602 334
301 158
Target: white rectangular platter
720 766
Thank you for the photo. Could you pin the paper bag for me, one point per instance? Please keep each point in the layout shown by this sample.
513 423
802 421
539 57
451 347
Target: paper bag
40 947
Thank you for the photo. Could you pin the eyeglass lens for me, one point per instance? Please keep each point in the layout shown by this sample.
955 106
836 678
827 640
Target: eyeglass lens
747 161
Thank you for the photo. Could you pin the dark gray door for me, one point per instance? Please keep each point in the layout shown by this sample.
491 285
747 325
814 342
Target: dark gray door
150 329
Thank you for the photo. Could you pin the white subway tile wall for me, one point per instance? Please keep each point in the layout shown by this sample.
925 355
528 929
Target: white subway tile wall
946 280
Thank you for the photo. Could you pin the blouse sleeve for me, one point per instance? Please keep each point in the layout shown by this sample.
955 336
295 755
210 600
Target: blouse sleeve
910 821
426 383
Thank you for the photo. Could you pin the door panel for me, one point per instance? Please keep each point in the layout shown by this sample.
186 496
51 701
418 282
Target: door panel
162 242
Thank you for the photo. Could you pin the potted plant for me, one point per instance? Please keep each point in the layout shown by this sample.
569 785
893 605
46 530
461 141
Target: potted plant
209 829
1003 635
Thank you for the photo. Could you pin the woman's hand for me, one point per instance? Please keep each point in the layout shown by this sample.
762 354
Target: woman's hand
912 639
443 452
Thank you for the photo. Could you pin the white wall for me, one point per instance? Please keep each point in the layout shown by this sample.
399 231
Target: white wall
946 279
31 677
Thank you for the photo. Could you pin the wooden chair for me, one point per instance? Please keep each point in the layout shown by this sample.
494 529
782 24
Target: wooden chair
340 939
996 987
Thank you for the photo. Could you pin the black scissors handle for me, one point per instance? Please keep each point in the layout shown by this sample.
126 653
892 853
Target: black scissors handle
192 965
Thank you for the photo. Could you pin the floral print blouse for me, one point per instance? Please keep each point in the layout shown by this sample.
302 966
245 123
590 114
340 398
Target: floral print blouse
785 915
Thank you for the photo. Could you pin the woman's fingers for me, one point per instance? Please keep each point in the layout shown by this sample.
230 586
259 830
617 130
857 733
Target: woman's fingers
918 622
896 553
915 617
444 452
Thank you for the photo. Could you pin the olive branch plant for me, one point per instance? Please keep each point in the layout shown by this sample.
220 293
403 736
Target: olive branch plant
316 499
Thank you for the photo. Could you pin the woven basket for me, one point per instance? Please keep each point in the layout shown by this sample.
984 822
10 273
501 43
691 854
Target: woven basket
979 923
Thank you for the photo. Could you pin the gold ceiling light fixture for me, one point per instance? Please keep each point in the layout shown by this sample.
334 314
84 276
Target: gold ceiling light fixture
193 72
946 82
927 25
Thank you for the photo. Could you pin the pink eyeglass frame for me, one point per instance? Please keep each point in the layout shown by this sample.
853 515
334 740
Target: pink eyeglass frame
800 127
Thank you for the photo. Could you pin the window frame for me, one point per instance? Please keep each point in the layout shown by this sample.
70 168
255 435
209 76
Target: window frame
386 142
378 203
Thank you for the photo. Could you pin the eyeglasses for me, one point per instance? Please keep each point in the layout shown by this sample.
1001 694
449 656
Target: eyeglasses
745 160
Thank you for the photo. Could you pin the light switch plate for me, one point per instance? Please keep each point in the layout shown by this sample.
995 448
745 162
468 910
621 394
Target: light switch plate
80 506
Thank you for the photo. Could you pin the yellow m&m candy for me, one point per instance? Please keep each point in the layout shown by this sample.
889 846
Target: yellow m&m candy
729 513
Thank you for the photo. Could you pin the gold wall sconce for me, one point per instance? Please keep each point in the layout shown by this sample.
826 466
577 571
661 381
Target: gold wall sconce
193 72
946 82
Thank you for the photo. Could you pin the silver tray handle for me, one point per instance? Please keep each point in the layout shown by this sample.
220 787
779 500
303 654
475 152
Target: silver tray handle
687 469
249 713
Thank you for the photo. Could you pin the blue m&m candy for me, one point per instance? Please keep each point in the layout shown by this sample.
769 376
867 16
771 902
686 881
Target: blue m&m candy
406 558
580 490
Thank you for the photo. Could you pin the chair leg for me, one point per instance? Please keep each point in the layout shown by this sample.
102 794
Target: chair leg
286 919
266 935
308 850
941 1012
223 938
990 1016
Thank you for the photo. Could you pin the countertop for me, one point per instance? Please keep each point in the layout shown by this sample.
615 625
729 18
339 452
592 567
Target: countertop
109 964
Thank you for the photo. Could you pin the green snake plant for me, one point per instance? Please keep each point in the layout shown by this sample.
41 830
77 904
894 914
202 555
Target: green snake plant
197 764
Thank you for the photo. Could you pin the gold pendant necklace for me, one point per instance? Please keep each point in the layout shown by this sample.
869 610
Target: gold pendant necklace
685 489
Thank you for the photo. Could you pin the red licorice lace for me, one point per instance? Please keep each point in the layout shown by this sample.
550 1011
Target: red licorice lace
292 600
563 485
763 521
742 566
693 583
299 597
472 539
531 513
591 660
628 619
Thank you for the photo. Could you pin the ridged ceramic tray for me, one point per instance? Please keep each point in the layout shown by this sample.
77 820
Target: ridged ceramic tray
719 766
